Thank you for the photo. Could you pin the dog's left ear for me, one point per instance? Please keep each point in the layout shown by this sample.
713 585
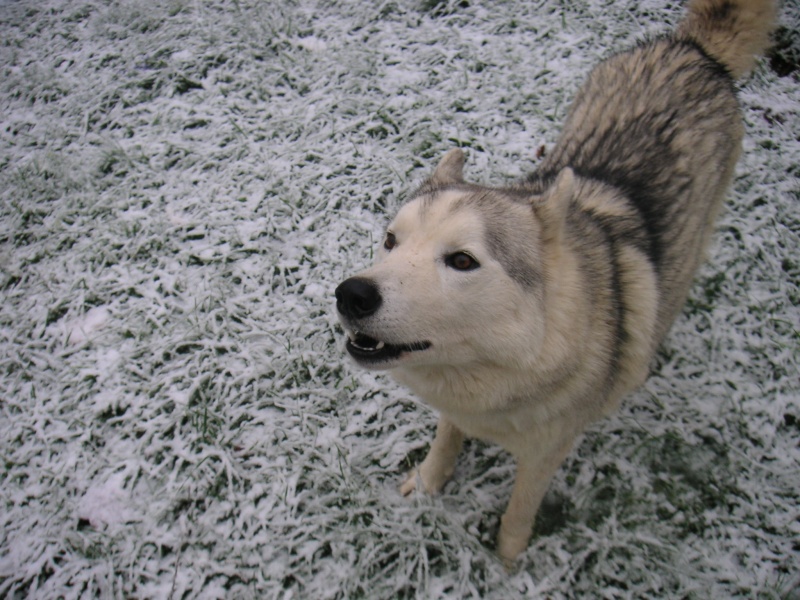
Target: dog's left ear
450 169
552 208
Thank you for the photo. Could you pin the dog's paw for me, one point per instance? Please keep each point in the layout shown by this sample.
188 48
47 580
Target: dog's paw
420 479
510 546
410 484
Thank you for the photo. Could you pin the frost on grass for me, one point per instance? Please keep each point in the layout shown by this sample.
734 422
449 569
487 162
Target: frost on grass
182 185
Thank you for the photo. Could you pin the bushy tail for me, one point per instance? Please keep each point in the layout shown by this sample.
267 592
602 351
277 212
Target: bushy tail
734 32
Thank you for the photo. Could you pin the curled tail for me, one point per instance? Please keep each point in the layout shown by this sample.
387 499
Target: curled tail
734 32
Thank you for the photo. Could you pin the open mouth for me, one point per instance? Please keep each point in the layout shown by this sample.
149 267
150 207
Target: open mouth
369 350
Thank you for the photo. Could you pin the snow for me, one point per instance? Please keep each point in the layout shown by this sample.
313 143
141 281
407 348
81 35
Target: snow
106 504
182 186
94 319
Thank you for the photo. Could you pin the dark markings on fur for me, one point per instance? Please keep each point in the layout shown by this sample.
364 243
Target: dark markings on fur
655 213
629 229
635 144
507 243
618 231
721 70
723 12
597 245
517 256
618 306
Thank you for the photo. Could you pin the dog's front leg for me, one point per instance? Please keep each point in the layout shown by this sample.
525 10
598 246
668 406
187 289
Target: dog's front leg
534 472
440 462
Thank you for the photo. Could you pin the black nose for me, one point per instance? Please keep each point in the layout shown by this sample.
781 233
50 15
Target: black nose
357 298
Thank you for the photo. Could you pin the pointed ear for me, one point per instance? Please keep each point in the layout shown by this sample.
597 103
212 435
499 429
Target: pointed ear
450 169
552 208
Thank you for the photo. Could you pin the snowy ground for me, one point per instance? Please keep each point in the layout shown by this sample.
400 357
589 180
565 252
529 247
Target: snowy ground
182 185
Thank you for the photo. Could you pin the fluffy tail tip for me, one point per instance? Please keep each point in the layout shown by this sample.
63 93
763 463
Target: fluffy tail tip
734 32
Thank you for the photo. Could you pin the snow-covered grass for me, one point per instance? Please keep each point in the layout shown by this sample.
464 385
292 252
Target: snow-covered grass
182 185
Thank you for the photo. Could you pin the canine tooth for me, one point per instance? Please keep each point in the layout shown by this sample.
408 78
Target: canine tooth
379 345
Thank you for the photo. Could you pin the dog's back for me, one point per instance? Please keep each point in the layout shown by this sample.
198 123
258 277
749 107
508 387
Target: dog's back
661 124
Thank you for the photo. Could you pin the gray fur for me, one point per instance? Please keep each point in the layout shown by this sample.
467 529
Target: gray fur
513 247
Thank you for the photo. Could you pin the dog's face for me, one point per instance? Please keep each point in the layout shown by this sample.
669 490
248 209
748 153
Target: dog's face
457 281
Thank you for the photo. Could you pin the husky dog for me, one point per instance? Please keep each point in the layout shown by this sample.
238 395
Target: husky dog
524 313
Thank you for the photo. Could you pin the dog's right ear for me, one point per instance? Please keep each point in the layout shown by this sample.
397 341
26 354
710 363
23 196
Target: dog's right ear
552 209
450 169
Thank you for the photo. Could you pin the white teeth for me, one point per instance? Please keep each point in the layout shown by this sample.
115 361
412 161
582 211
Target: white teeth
356 336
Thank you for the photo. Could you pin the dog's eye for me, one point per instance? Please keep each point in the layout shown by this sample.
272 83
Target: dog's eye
390 241
461 261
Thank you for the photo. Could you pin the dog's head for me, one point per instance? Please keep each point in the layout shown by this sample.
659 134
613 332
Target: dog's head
458 279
